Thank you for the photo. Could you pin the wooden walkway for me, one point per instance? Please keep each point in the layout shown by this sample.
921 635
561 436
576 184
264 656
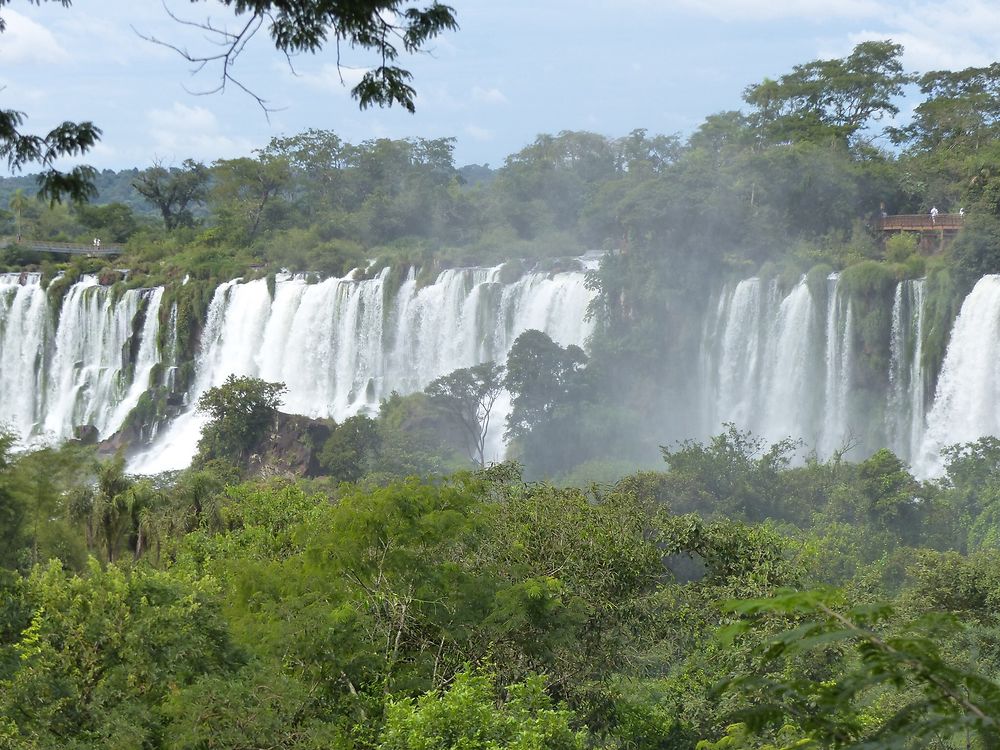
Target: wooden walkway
934 234
64 248
920 223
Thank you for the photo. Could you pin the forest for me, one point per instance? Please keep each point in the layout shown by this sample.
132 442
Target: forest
378 583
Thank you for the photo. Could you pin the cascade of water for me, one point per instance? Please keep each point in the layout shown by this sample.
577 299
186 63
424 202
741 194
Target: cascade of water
966 400
760 353
147 357
342 345
89 368
918 378
25 332
835 429
897 369
170 371
737 380
775 367
788 375
905 407
81 373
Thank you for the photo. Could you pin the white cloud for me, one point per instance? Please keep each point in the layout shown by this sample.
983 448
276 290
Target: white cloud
329 77
27 41
953 36
770 10
488 96
183 132
479 134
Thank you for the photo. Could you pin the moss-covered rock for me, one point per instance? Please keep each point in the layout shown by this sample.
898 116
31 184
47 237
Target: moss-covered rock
870 287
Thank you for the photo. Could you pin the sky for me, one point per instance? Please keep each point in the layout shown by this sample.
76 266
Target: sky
515 69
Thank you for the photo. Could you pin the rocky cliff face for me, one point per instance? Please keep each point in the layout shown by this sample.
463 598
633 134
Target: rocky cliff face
291 447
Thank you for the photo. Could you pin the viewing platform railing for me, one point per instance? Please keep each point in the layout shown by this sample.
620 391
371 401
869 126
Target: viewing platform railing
920 223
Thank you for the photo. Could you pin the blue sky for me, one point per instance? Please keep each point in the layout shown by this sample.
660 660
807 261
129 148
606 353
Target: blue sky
515 69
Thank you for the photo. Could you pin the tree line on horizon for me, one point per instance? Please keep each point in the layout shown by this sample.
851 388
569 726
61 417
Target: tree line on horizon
805 163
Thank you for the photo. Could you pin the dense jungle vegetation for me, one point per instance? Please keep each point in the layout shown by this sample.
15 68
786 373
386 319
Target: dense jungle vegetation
727 599
403 595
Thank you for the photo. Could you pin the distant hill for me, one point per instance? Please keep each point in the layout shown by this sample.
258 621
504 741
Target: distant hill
112 187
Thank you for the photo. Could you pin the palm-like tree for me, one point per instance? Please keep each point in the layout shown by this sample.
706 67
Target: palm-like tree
17 203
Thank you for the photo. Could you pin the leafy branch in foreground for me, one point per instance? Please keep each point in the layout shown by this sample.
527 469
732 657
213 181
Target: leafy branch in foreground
377 26
882 690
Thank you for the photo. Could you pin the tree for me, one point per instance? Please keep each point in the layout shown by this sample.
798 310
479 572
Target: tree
348 452
734 473
467 396
827 98
13 510
17 203
472 715
109 509
173 190
67 139
107 649
376 26
540 374
888 489
938 700
245 191
114 221
240 410
961 111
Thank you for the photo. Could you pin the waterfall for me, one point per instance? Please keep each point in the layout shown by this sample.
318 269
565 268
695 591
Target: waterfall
740 355
905 413
967 399
835 431
342 345
170 371
147 357
776 361
784 366
762 376
788 376
89 369
25 332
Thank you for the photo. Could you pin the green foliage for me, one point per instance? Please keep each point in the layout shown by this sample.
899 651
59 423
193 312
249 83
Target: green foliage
960 112
888 486
385 616
974 252
349 451
240 411
249 197
470 715
467 396
734 474
36 489
942 300
232 711
113 222
174 191
739 737
830 99
899 247
870 286
100 654
937 699
68 139
540 374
